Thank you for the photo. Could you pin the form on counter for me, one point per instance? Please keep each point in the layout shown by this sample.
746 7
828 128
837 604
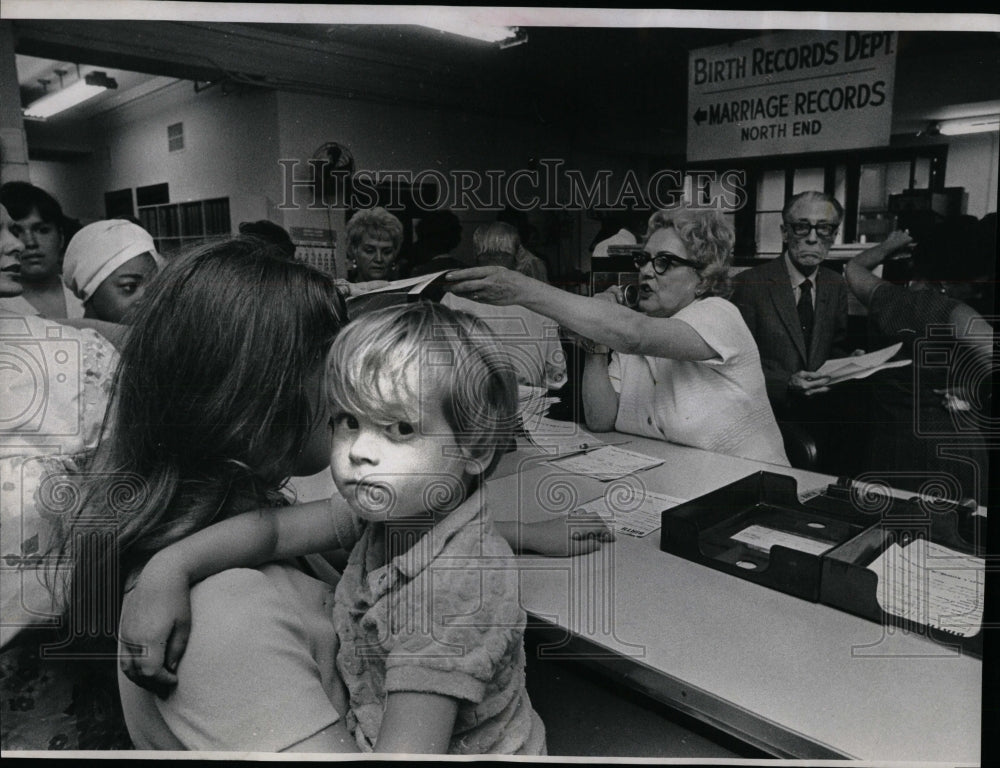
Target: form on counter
559 437
635 512
606 463
932 585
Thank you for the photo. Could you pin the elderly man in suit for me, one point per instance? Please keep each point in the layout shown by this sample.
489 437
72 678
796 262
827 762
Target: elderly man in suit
797 312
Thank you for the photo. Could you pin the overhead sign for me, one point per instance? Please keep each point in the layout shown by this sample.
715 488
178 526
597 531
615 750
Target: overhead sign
791 92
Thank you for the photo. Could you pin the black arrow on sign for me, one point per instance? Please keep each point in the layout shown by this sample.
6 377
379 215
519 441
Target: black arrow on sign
700 115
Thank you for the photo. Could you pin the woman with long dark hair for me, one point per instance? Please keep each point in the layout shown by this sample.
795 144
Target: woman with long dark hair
217 401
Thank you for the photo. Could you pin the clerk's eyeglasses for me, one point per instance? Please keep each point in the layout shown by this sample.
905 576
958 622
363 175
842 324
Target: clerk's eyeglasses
662 261
823 229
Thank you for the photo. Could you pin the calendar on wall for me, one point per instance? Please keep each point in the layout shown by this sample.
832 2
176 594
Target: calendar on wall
317 247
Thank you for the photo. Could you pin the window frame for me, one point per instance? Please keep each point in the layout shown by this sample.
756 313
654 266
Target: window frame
754 168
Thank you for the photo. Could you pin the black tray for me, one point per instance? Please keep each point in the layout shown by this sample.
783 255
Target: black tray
702 530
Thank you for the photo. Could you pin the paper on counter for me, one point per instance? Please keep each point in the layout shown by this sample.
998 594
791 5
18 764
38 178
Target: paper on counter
560 436
637 515
931 585
860 366
763 538
607 463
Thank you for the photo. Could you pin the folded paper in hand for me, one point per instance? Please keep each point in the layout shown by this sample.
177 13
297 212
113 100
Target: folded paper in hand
858 367
606 463
429 287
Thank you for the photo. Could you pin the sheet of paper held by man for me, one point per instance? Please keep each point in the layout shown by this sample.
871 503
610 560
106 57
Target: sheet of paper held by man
860 366
636 514
932 585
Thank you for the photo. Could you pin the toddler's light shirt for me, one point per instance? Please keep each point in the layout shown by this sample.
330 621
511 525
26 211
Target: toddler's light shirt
443 617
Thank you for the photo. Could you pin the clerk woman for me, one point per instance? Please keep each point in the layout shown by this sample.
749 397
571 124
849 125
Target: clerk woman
685 367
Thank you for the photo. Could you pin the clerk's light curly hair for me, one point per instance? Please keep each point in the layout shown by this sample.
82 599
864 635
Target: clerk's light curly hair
708 238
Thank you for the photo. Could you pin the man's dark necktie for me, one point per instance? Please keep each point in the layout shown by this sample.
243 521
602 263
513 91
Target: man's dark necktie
807 315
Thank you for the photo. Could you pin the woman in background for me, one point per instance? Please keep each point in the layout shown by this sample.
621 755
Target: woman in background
40 225
108 265
531 339
494 243
374 238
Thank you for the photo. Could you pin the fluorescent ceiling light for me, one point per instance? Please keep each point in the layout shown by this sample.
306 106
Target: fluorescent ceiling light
76 93
490 33
964 125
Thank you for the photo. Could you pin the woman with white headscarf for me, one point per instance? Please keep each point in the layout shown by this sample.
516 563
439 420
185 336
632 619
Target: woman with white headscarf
108 265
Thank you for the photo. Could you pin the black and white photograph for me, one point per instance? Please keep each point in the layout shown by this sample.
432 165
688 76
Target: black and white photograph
527 384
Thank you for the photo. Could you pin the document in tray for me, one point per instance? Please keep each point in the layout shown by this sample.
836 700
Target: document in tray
607 463
635 514
931 585
763 538
858 367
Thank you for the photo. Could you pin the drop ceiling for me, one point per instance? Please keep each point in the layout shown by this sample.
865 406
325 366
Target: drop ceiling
561 75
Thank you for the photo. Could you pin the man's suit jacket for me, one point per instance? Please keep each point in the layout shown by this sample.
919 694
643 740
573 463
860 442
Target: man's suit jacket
765 297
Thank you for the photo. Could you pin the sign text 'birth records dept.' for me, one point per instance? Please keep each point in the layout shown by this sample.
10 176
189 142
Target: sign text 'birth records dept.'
789 93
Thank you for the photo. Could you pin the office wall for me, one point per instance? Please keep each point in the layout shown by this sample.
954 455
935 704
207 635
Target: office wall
72 184
233 144
385 137
229 143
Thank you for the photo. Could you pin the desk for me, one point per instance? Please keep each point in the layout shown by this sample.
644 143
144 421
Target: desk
794 678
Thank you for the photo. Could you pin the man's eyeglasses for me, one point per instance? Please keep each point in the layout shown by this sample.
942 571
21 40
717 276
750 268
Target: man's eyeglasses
823 229
662 261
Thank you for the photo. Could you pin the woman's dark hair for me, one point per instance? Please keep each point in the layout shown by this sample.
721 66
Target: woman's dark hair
439 232
210 408
269 232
